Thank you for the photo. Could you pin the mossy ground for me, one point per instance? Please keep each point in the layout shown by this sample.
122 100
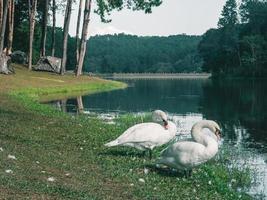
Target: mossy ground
47 143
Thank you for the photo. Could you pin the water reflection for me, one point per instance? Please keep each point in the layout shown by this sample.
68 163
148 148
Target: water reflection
240 107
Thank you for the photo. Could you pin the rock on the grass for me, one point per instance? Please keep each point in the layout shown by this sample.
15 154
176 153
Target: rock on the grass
19 57
48 63
1 149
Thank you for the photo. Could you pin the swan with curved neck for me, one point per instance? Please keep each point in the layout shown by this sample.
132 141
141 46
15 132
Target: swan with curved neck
147 136
185 155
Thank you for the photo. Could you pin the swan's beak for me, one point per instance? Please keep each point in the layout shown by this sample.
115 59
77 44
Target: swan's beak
218 134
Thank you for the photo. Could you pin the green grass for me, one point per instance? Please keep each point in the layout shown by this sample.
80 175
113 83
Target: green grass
48 143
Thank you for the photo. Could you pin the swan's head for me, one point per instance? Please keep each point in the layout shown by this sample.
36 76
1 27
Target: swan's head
160 116
211 125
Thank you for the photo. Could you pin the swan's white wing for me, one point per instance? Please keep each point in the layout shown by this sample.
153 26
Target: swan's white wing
183 155
142 133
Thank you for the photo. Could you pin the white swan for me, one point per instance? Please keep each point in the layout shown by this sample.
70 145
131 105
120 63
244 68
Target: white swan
147 136
185 155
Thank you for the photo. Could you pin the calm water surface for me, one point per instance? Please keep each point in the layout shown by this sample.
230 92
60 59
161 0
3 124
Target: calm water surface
240 107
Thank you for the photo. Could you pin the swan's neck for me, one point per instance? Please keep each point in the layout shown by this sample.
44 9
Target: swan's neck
198 135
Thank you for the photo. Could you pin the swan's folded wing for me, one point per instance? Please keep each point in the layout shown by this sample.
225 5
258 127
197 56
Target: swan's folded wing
141 133
185 153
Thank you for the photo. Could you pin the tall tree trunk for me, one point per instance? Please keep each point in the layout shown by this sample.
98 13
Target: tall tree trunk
44 29
32 11
1 13
86 19
54 28
77 33
3 28
10 26
65 35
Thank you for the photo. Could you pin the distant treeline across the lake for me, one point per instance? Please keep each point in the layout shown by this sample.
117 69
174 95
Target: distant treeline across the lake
127 53
122 53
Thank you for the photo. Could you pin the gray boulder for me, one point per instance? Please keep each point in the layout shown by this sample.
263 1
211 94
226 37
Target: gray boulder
48 63
18 57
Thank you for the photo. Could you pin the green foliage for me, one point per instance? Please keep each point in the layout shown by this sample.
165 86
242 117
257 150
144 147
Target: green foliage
105 7
238 49
126 53
229 14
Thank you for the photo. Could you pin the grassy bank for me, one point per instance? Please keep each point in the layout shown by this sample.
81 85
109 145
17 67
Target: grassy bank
58 156
43 86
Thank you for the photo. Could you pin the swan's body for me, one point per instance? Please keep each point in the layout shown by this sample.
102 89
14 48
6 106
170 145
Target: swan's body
147 136
186 155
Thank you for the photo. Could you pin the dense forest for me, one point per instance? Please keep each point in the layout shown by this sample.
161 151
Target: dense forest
239 46
127 53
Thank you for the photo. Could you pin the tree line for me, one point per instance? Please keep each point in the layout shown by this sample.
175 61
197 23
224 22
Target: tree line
238 47
131 54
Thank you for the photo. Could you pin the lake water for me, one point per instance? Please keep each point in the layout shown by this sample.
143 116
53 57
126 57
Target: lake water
240 107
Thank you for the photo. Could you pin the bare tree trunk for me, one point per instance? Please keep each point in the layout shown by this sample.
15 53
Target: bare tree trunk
44 29
1 13
3 29
10 26
65 35
32 11
77 33
86 19
54 28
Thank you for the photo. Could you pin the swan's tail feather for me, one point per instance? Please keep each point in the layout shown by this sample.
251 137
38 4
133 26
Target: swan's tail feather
112 143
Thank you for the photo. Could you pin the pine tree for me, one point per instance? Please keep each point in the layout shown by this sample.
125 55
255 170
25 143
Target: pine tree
229 14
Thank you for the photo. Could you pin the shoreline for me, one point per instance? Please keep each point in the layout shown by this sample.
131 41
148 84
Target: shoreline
157 75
